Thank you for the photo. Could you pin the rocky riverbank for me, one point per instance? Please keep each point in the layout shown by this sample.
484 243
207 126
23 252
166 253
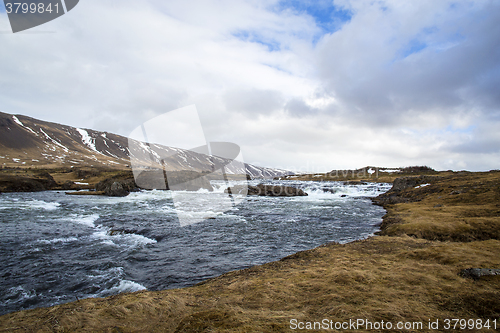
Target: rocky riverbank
100 181
462 206
434 229
33 180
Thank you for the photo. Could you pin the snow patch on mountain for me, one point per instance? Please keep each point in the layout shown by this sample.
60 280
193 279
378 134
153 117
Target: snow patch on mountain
17 121
87 139
54 141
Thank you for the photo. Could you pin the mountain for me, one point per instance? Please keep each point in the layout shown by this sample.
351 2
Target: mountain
28 142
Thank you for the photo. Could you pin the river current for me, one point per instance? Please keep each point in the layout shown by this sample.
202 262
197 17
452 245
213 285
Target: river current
56 248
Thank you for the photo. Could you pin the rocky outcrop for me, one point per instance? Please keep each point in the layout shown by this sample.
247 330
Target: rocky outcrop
404 190
177 180
266 190
403 183
116 187
188 181
21 183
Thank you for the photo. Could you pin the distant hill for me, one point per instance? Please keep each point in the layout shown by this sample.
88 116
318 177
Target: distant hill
28 142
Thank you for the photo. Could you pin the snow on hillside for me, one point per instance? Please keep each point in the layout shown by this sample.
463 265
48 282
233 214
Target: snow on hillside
50 143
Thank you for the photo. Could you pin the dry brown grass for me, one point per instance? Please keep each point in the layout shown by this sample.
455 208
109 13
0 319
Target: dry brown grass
390 278
360 176
382 278
457 207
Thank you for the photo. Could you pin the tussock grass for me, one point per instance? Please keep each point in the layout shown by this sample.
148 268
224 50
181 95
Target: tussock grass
382 278
459 207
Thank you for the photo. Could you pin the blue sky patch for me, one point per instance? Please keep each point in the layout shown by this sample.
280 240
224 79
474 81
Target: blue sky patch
327 16
249 36
443 131
457 130
414 46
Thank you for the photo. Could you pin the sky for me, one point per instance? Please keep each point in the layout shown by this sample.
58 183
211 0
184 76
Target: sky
301 85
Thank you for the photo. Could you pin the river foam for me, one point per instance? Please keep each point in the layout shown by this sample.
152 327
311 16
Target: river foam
56 248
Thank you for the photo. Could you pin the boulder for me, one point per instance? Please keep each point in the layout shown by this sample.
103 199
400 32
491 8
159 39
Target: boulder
403 183
404 190
476 273
116 187
176 180
266 190
154 179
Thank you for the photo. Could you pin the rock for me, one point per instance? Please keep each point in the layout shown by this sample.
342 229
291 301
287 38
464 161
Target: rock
22 184
116 187
151 180
238 189
187 181
403 190
117 190
176 180
355 182
266 190
17 183
402 183
389 198
114 232
194 185
476 273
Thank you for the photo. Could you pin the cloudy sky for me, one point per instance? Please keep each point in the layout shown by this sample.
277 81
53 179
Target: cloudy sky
303 85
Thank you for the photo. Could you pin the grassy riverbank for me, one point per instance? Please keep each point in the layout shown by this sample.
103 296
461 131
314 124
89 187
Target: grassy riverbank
409 274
